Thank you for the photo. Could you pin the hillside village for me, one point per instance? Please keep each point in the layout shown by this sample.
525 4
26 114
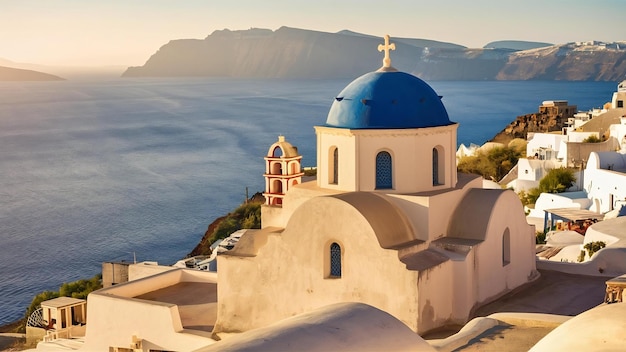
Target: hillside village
388 246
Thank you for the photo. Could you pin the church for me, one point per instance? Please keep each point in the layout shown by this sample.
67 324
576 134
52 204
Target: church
387 222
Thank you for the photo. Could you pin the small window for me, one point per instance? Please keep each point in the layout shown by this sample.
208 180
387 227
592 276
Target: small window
333 166
435 167
335 260
620 103
506 247
383 171
438 171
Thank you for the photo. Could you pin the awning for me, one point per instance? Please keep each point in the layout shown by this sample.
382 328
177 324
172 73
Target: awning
569 214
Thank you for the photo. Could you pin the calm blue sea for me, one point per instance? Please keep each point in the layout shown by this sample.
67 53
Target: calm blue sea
99 171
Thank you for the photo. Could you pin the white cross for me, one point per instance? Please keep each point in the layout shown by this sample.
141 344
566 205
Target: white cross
386 48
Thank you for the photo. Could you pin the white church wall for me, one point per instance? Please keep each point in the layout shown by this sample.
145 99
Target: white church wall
411 157
357 151
436 289
504 264
344 141
503 246
290 276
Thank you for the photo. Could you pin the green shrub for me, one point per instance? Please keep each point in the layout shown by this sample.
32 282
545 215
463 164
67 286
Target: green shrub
540 237
75 289
556 181
81 288
592 139
593 247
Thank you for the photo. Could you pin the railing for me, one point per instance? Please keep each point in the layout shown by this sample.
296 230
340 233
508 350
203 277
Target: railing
36 319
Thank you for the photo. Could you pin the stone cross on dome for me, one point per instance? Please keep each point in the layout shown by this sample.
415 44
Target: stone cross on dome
386 47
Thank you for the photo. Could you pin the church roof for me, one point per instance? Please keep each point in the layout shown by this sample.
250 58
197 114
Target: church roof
287 150
389 223
387 99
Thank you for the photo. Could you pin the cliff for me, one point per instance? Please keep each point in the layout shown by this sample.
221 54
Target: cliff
16 74
247 215
298 53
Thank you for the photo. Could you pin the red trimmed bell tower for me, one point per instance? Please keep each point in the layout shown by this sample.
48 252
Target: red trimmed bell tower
282 171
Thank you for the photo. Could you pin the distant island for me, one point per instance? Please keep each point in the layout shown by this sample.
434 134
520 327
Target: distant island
299 53
16 74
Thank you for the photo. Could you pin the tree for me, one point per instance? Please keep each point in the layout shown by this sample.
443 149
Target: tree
493 164
556 181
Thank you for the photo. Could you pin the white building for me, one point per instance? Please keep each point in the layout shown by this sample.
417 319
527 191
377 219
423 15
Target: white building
388 222
605 180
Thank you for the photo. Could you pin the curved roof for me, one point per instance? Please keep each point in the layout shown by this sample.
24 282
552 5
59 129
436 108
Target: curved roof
387 99
599 329
390 224
288 150
470 221
347 326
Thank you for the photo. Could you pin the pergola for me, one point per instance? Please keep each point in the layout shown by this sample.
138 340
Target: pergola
568 214
63 313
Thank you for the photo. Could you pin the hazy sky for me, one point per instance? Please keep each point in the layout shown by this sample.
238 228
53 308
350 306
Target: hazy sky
127 32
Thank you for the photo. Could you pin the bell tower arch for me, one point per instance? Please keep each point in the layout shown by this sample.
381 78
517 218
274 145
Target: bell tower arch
283 170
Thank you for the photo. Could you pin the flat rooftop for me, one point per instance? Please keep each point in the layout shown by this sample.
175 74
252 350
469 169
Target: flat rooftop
196 301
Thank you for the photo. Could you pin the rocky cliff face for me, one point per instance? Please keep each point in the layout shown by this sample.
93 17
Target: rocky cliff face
568 62
298 53
535 122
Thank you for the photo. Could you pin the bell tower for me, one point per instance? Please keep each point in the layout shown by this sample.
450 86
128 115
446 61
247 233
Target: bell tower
283 170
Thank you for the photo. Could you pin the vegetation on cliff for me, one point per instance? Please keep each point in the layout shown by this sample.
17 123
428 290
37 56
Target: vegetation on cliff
76 289
246 216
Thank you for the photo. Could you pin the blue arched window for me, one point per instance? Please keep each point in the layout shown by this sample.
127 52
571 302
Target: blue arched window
383 171
335 260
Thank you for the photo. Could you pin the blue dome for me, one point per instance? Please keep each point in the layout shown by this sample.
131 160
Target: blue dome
380 99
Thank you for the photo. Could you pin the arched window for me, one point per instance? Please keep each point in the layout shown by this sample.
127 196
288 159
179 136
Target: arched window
333 172
435 167
438 169
506 247
277 152
383 171
277 168
335 260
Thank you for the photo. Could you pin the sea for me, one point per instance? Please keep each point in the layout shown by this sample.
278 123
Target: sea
136 169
